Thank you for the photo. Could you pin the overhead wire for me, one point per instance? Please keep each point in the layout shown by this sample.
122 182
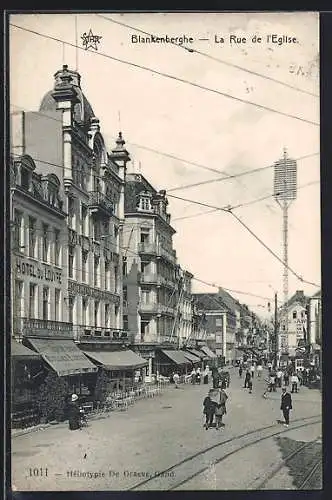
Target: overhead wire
229 211
235 176
216 59
172 77
240 205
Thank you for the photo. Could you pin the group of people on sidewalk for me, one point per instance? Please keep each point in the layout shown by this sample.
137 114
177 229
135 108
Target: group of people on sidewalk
282 377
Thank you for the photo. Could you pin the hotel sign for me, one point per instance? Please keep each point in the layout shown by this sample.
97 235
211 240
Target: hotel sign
39 271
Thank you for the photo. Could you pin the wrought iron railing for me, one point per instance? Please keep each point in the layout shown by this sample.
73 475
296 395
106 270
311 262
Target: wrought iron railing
99 200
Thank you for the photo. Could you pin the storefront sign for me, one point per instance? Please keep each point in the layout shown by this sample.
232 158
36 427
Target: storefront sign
38 271
87 291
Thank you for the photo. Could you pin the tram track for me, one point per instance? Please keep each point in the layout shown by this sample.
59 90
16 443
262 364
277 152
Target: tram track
183 471
270 472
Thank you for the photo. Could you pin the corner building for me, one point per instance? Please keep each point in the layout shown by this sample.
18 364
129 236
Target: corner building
151 273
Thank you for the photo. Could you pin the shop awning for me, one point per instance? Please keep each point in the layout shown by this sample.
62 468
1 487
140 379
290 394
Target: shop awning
191 357
208 352
177 357
19 351
117 360
63 356
199 354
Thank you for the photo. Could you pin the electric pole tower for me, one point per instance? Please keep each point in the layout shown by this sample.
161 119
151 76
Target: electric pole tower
285 190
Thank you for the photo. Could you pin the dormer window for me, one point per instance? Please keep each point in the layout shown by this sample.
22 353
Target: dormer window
145 203
25 178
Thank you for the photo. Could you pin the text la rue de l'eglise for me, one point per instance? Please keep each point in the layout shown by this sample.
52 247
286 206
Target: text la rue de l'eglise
276 39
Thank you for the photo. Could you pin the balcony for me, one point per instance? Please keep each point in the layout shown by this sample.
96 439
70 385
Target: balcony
151 308
98 203
93 335
149 279
169 255
32 327
147 248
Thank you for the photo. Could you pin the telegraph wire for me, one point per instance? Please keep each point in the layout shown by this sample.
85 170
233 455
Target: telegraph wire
204 54
257 200
172 77
234 176
229 211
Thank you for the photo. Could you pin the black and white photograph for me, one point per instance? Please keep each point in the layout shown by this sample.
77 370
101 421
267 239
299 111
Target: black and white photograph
165 248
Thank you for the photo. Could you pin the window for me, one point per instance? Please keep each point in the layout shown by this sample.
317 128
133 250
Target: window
96 271
96 229
294 314
218 321
18 231
107 315
32 300
71 254
71 212
107 274
116 283
125 296
25 178
45 243
57 304
145 235
144 265
85 311
85 254
145 203
71 309
45 303
84 219
124 266
96 313
56 247
32 236
145 295
18 298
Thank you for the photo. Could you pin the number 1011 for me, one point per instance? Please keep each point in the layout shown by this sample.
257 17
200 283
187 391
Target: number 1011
38 472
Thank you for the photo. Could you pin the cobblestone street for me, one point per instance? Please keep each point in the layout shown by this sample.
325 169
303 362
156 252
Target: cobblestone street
124 448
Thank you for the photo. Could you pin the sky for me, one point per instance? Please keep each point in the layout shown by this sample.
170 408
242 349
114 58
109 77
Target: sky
203 127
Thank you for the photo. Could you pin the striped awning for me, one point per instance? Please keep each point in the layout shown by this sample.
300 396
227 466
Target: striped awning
177 357
208 352
192 357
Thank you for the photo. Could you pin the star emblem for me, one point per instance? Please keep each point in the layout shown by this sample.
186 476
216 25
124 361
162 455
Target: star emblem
90 40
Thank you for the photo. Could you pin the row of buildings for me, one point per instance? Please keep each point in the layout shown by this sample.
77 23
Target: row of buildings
95 279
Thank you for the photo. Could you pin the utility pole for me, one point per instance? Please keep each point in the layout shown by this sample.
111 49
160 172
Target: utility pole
275 329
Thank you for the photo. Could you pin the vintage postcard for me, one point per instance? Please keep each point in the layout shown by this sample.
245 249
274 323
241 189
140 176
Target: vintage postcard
165 251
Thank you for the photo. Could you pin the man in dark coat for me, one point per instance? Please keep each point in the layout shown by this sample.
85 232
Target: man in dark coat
286 405
74 414
247 379
209 408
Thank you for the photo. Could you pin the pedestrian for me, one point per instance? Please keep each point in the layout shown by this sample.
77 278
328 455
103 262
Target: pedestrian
252 370
259 371
220 410
247 378
193 376
206 376
286 378
198 376
279 377
240 371
74 415
294 382
272 382
286 405
215 377
176 379
269 365
209 408
250 386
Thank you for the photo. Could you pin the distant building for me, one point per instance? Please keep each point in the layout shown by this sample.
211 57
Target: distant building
184 322
297 319
314 327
